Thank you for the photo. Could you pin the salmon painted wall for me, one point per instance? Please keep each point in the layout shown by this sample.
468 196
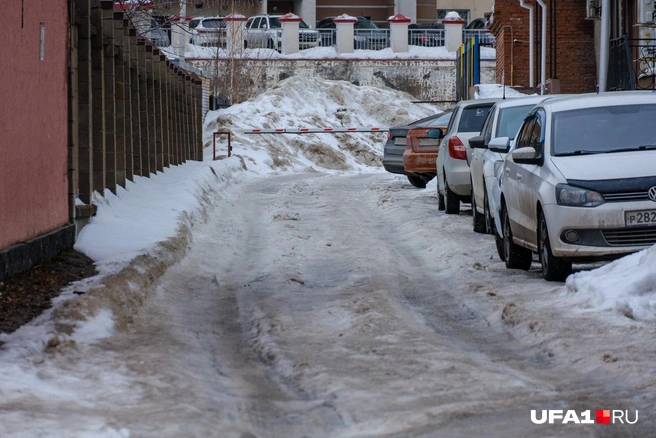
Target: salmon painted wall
33 118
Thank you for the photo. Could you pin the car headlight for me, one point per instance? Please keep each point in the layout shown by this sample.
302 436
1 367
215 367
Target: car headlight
577 197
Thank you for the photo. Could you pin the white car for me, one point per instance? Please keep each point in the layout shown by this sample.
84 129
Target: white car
208 31
265 31
580 182
503 120
453 182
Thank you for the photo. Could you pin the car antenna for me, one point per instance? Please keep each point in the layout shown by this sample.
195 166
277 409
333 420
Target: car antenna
503 84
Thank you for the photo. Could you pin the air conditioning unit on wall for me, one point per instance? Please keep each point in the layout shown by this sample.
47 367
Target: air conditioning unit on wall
593 9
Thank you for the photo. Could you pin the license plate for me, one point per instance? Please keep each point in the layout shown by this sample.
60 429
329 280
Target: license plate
640 218
429 141
399 140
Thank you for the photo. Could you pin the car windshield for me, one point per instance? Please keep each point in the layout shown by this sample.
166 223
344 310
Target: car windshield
510 119
472 118
604 129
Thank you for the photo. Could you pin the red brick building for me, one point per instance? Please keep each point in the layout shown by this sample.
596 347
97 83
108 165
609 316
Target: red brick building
579 36
570 57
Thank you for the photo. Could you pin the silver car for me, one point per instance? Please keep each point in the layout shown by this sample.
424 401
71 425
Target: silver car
580 182
503 120
453 182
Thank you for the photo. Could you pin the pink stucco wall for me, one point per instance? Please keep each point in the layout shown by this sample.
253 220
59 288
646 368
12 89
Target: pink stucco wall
33 119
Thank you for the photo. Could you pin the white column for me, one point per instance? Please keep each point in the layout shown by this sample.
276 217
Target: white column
399 33
344 37
234 32
453 25
407 8
290 34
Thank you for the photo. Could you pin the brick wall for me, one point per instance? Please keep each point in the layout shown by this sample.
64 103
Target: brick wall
570 49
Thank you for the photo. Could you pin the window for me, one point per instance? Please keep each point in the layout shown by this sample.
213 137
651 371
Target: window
472 118
486 130
524 136
510 119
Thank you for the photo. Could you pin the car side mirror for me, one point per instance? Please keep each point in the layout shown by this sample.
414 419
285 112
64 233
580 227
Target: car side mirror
265 27
434 133
499 144
525 155
477 142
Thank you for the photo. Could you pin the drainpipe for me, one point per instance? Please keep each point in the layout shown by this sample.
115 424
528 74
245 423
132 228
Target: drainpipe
604 45
543 48
531 55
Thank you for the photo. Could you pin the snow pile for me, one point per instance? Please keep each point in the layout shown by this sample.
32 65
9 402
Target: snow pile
314 103
488 91
627 286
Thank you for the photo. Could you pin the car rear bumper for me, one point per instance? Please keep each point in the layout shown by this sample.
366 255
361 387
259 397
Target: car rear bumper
458 176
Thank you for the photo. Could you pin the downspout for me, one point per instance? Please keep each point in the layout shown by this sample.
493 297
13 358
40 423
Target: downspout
604 45
543 48
531 55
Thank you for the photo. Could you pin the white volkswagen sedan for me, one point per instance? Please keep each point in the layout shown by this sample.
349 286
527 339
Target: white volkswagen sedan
503 120
580 182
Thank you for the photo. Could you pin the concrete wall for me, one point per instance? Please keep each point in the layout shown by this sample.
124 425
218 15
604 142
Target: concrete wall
33 119
426 80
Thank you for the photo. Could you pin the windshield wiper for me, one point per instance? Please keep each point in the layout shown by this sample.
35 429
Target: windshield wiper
578 152
643 147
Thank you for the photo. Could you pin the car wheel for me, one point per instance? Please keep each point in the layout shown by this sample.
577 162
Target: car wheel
417 181
427 178
498 240
489 220
553 268
245 44
441 206
270 44
452 201
478 219
516 257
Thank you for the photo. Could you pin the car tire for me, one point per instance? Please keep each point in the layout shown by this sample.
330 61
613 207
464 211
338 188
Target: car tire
498 240
441 206
553 268
451 200
516 257
478 219
490 228
245 44
270 44
417 181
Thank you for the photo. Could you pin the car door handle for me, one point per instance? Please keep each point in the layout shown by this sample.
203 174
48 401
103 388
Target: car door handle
519 177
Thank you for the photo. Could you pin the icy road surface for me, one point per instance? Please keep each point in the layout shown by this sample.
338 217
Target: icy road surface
315 305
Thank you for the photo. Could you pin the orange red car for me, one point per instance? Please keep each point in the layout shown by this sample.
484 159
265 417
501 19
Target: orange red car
421 152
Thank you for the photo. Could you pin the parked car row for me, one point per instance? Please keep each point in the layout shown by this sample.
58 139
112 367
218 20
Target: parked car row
265 31
571 178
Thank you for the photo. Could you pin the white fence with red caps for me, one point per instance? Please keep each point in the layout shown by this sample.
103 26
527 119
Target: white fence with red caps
313 130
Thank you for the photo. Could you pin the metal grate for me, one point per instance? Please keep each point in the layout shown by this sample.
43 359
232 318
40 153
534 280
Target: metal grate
627 196
630 236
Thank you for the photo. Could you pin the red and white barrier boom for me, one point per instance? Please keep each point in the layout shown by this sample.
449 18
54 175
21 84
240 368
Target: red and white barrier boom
313 130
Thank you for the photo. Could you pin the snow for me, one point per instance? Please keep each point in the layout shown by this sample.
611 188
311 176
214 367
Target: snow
152 213
414 52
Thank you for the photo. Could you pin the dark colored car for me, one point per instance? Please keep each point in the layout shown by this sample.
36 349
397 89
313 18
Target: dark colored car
366 35
395 148
479 26
426 34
